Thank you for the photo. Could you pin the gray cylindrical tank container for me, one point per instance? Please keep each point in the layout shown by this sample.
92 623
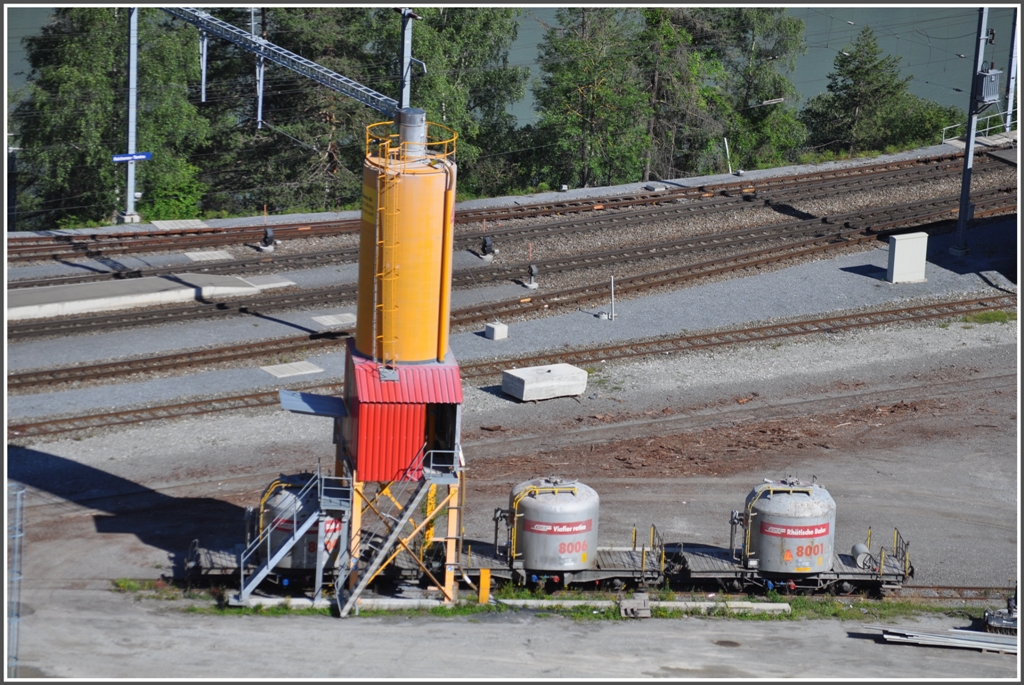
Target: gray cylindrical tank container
555 524
280 506
792 527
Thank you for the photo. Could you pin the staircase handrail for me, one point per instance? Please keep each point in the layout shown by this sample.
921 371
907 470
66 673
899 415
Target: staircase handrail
291 517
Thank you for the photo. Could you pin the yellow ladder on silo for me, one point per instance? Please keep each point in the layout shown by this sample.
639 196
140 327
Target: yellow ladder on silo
386 271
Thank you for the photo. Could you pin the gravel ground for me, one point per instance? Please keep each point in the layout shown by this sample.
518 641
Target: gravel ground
811 288
122 638
958 377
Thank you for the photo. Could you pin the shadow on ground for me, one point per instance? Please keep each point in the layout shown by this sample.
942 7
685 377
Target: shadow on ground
156 519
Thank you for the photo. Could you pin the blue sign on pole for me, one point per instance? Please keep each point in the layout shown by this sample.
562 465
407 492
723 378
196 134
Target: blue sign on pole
133 157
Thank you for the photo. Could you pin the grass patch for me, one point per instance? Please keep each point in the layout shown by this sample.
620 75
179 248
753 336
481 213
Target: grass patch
513 591
466 609
127 585
852 609
259 610
588 613
801 608
992 316
159 589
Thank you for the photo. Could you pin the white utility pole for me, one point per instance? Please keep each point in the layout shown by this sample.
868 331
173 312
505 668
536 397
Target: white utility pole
130 216
1011 73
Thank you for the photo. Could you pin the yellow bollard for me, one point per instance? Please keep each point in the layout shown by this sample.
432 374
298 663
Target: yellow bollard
485 585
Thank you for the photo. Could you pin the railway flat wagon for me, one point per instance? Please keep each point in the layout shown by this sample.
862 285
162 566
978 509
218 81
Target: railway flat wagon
707 564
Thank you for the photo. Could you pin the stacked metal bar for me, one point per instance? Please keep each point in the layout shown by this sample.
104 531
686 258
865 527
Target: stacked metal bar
967 639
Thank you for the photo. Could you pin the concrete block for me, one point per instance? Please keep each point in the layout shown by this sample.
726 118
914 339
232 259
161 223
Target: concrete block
179 224
496 331
544 382
907 255
268 281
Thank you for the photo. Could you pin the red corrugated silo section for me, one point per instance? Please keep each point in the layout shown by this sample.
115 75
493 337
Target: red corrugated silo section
427 384
390 438
390 416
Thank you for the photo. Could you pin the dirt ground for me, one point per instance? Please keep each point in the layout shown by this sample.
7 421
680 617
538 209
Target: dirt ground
718 451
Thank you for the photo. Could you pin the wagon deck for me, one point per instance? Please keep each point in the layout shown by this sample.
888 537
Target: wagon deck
704 562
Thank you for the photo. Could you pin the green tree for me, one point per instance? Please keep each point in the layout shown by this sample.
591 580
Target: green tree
468 85
594 112
754 50
672 72
307 154
75 118
861 90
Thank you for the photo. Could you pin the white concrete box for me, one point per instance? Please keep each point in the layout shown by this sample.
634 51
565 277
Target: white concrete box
544 382
496 331
907 255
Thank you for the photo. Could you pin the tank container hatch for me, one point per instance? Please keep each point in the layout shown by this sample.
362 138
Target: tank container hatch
555 524
791 527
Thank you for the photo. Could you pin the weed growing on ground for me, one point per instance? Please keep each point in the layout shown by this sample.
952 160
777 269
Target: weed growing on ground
260 610
126 585
801 608
513 591
588 613
466 609
161 589
993 316
851 609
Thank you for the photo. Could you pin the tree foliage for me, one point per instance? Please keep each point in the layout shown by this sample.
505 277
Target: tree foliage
307 152
750 52
593 110
625 94
75 119
468 85
868 106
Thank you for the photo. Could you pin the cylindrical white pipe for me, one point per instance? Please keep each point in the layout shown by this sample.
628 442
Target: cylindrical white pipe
1011 83
613 299
413 131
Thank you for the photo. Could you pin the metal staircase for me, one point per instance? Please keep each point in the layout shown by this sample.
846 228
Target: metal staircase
390 512
378 542
333 494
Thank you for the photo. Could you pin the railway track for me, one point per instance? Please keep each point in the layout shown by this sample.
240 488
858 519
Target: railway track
872 225
482 370
827 234
174 362
796 187
730 198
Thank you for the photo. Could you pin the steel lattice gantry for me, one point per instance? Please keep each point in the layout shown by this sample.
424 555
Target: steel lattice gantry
278 55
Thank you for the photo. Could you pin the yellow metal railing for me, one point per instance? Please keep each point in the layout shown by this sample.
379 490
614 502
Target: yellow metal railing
526 492
440 143
771 491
